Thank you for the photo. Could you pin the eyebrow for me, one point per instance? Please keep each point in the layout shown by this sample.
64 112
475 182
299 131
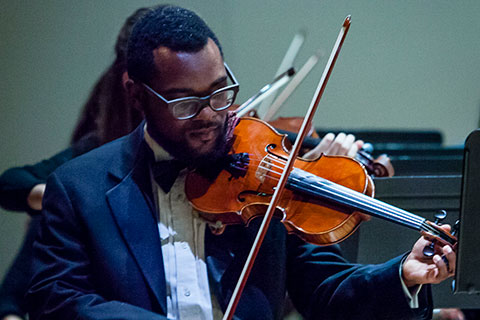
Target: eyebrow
191 92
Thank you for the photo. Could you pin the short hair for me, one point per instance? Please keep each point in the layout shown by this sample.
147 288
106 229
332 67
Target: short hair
121 45
176 28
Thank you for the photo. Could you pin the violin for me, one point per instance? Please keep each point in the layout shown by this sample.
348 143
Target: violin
325 199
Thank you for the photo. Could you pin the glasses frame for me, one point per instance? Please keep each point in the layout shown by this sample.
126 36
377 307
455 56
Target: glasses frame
204 101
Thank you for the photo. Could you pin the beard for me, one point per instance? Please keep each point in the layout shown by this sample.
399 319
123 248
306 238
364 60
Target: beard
181 150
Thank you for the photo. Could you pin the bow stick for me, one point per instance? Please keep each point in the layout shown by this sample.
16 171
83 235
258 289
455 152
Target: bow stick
232 305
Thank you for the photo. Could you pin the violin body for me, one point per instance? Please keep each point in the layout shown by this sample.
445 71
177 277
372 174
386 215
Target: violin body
243 191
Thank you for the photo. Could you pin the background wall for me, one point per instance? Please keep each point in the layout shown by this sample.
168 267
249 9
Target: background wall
404 64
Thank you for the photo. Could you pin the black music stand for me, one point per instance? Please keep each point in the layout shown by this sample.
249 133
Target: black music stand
467 277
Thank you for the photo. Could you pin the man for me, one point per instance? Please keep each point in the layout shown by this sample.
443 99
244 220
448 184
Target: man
120 241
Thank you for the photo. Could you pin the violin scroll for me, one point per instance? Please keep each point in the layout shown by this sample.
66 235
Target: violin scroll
436 234
429 250
379 167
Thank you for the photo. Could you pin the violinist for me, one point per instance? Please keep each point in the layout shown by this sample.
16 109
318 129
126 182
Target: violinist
119 239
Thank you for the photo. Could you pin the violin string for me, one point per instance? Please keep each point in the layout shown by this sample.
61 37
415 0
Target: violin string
417 222
360 196
366 201
383 209
386 209
349 194
268 169
370 204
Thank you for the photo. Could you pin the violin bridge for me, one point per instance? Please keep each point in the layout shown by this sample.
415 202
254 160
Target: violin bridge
263 169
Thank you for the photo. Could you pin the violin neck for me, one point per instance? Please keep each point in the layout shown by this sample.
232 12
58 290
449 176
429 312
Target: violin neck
306 183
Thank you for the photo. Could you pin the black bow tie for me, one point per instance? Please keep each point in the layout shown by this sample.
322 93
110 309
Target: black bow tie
166 172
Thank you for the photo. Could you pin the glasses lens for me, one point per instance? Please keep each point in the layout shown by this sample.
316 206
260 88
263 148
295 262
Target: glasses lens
222 99
185 109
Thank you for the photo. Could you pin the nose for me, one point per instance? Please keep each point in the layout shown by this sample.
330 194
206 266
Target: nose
206 112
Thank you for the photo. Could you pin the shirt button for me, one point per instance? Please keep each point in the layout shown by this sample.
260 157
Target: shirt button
187 293
184 245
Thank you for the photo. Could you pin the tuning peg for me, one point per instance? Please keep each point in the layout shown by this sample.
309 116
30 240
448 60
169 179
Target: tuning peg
429 250
455 228
367 147
440 216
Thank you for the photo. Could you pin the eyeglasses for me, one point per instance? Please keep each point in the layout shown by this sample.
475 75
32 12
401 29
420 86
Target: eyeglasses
189 107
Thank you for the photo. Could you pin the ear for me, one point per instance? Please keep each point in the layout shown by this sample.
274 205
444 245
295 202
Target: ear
135 92
125 78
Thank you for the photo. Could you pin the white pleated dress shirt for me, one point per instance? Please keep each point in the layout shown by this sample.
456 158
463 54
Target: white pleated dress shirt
182 234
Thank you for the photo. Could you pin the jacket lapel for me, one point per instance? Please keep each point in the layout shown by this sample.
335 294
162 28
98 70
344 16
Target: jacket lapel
131 204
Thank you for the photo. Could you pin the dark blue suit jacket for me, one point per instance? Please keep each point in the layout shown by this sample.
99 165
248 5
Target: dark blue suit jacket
98 255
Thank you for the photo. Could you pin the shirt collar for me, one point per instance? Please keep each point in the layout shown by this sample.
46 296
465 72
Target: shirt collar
159 153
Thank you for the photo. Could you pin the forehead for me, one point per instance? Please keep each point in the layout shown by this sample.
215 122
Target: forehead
187 70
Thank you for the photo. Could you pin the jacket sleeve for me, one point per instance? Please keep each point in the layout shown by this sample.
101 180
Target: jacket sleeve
323 285
63 286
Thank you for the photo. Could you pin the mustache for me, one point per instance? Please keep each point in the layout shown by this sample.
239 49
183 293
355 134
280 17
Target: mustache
206 124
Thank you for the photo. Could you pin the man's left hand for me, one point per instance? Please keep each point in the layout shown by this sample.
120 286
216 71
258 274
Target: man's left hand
419 269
